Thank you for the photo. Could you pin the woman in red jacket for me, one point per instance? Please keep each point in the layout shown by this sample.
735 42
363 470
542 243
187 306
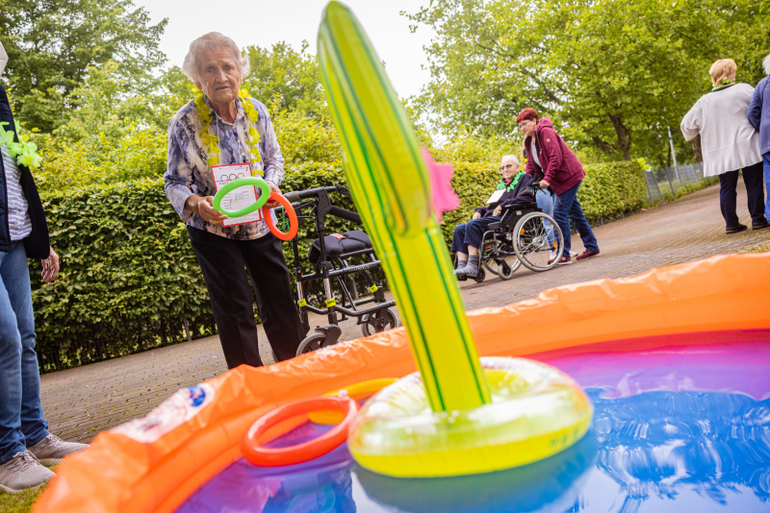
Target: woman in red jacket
553 164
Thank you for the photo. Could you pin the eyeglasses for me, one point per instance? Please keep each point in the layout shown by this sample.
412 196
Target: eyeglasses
507 166
523 124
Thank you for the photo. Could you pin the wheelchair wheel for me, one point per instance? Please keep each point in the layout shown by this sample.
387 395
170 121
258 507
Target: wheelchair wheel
500 259
505 267
530 241
311 343
480 275
378 321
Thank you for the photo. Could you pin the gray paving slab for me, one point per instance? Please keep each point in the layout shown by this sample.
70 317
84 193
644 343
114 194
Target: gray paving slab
81 402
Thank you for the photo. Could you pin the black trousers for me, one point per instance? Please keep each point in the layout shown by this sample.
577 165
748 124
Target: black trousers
752 178
224 263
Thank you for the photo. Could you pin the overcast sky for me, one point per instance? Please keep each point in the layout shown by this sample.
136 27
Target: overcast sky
264 23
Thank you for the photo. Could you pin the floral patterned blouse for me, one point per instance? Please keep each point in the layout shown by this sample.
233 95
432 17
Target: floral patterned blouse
188 172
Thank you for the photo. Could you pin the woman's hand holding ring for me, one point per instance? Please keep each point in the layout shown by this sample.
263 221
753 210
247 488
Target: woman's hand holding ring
273 188
207 212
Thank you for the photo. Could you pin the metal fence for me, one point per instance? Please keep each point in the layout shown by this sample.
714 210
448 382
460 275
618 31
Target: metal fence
668 180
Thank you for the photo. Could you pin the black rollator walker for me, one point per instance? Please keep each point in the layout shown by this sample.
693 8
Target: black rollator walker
330 255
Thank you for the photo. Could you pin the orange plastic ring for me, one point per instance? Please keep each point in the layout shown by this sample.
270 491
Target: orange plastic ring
293 223
306 451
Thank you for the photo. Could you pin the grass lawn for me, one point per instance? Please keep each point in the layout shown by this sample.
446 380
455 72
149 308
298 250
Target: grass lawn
20 502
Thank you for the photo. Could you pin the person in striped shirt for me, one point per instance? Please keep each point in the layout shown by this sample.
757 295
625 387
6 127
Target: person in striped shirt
26 446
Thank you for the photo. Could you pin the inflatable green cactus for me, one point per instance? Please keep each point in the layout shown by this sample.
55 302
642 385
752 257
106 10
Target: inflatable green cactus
527 410
392 189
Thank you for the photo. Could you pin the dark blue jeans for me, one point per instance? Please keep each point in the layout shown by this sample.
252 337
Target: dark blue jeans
568 207
752 179
470 233
21 415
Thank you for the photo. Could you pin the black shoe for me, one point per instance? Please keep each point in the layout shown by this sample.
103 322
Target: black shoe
736 229
759 226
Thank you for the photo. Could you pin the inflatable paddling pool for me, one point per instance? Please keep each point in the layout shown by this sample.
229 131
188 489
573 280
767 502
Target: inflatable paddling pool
675 361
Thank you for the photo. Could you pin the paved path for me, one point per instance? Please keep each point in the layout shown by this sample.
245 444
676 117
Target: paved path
81 402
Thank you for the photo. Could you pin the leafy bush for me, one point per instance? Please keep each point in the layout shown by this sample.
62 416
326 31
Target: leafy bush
611 189
129 276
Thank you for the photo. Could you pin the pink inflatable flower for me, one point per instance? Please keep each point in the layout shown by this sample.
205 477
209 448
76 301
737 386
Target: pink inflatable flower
444 197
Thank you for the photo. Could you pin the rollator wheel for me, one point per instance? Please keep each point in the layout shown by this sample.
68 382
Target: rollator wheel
378 321
530 241
311 343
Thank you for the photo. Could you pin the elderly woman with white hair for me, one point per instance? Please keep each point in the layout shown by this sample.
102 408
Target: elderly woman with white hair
729 143
223 132
759 117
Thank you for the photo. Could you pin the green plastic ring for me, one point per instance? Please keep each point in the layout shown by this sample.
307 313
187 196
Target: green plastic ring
240 182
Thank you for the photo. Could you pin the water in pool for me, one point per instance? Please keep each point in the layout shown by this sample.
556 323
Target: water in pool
681 424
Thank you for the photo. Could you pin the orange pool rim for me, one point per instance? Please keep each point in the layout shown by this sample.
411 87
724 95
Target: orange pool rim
119 474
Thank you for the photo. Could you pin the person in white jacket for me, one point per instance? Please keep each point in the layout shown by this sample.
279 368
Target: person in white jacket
729 143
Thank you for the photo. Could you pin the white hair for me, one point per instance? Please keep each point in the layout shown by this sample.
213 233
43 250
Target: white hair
512 157
766 64
211 41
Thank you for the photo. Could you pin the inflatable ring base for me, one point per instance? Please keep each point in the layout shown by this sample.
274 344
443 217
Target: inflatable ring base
536 411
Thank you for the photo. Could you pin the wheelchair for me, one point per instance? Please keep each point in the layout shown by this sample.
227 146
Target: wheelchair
330 255
522 236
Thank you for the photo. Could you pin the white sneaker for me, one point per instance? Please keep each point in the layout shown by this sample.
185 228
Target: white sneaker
23 472
52 449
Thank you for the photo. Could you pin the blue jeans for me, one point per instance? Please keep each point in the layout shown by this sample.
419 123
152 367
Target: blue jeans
470 233
568 207
545 202
766 159
21 416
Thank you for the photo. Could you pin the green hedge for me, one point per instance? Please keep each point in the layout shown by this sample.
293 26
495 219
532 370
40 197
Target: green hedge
129 277
612 189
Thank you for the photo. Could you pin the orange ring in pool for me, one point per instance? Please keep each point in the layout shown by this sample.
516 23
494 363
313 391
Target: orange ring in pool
306 451
357 392
293 223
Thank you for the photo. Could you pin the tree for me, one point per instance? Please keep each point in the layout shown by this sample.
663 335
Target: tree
611 73
112 134
289 73
51 44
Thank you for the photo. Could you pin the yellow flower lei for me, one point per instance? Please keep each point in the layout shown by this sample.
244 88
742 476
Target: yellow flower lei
212 141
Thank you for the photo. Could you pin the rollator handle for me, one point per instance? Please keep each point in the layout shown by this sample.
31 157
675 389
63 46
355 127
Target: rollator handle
294 196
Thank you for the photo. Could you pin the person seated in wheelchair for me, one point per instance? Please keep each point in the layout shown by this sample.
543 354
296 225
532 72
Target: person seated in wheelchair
514 189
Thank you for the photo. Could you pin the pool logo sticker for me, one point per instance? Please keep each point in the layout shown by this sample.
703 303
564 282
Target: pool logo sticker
170 414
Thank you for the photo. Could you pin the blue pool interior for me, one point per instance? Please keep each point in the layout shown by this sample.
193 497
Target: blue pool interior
676 428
